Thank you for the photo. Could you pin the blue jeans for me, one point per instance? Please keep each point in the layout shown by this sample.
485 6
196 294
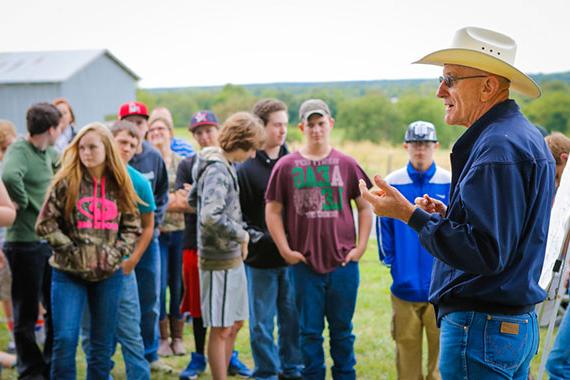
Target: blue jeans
482 346
69 298
272 293
128 332
171 272
332 296
148 281
558 364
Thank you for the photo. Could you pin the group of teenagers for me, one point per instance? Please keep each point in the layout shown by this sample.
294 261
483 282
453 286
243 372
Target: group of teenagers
104 228
254 232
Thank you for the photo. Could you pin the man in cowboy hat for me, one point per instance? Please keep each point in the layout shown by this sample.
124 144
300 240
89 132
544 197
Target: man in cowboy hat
489 243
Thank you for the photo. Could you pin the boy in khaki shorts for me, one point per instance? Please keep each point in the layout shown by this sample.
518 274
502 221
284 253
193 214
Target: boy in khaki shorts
222 239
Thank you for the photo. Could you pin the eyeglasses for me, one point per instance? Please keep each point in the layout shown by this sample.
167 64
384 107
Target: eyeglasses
449 79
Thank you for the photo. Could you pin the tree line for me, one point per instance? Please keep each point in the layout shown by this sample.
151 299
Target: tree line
362 113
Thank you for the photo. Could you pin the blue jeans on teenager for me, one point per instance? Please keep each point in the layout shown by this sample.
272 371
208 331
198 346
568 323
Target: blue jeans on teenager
128 332
558 364
332 296
487 346
148 281
272 294
171 244
70 295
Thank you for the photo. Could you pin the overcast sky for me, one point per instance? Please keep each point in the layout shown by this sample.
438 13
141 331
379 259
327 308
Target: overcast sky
212 42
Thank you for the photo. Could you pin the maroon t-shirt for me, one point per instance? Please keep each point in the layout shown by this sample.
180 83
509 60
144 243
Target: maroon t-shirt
316 202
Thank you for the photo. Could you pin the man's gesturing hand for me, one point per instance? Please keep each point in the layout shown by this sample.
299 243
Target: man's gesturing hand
431 205
386 200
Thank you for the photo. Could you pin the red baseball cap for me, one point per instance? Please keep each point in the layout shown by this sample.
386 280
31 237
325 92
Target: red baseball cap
133 108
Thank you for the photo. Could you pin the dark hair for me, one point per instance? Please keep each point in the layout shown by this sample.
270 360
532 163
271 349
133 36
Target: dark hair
242 130
124 126
265 107
41 117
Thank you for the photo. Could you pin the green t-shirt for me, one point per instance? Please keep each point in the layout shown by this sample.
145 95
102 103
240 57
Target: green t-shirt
27 174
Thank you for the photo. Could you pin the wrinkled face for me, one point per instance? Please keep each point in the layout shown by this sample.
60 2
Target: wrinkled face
4 147
276 129
140 123
127 145
421 153
159 133
206 135
317 129
241 155
462 100
65 113
91 150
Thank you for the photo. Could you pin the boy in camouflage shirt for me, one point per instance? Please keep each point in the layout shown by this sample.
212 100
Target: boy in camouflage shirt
222 239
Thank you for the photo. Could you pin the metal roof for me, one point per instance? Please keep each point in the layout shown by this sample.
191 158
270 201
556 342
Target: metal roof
49 66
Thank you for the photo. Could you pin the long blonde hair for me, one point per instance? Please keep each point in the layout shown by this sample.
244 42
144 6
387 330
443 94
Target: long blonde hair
72 170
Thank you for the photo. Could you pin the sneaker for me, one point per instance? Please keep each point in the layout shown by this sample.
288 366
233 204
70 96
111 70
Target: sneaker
196 366
238 368
160 366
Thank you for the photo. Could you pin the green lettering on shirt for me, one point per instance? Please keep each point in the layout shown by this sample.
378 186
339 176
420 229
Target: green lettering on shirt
324 172
298 177
330 204
310 180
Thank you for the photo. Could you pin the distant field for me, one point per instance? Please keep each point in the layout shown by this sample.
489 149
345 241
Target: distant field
374 158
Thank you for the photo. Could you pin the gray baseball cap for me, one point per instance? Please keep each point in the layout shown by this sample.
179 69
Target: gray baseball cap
421 131
311 107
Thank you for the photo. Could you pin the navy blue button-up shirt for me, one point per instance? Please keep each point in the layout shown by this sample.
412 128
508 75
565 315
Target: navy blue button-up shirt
490 246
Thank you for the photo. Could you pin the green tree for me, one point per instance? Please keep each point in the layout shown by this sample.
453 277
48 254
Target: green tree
552 111
371 117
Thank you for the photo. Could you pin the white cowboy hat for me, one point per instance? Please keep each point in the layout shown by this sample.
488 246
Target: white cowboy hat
485 50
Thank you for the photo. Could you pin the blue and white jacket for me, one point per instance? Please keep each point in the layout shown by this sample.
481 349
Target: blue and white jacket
490 245
398 245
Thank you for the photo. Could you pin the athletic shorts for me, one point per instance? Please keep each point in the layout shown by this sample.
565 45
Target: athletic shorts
224 296
191 278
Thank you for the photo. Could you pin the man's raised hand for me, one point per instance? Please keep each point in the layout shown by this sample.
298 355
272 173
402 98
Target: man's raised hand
386 200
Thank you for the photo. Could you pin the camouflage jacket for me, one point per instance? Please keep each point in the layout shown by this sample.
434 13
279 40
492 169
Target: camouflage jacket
92 243
216 199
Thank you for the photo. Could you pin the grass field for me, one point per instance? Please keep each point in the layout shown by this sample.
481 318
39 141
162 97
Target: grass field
374 346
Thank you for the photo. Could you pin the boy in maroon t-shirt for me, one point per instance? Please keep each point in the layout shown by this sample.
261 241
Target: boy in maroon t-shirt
309 216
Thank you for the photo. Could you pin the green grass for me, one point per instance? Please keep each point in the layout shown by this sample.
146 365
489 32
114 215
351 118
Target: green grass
374 346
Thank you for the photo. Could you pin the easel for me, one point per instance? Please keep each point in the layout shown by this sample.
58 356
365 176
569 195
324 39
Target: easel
556 292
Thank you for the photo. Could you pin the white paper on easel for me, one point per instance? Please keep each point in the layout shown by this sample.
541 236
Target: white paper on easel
559 223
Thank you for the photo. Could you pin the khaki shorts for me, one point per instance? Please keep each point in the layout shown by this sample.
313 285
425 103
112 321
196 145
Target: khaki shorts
223 296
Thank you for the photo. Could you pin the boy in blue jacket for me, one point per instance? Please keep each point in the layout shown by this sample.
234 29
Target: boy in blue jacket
410 264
